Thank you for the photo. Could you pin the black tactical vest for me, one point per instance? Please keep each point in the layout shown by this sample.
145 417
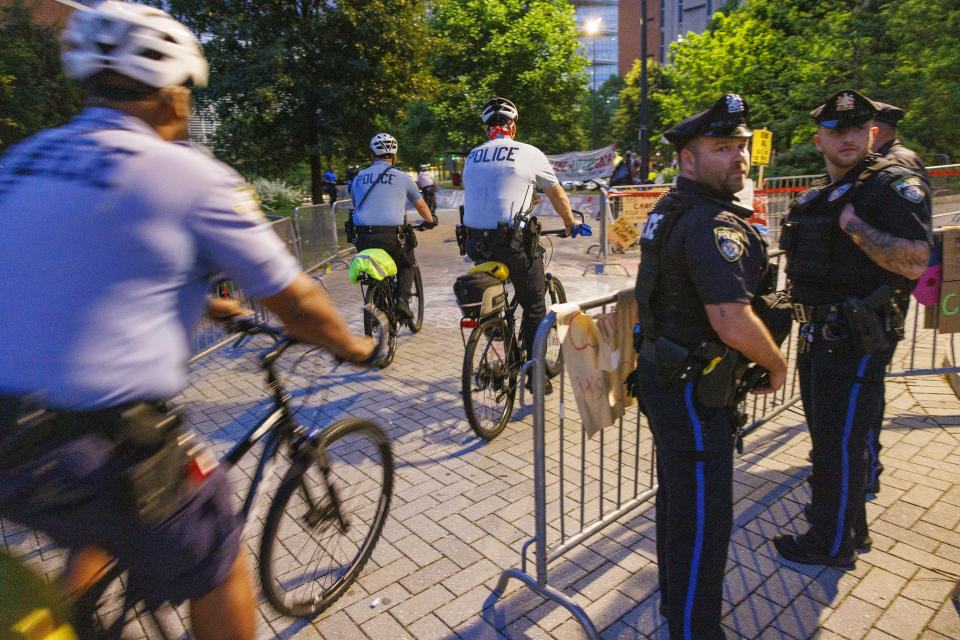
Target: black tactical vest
824 264
667 301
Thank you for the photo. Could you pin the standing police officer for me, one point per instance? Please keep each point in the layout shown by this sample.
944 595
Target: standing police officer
886 144
380 194
854 248
701 266
499 181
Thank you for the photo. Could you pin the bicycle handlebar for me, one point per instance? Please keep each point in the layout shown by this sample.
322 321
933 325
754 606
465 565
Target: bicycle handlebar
248 326
582 229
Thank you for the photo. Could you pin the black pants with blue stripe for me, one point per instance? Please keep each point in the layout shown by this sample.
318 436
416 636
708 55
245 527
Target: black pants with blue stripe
843 402
694 459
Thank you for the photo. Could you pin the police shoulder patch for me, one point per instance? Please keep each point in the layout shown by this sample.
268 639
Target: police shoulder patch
807 195
909 188
839 191
245 202
729 243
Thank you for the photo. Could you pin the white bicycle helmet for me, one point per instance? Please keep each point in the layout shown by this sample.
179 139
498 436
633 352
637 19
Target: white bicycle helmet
383 144
498 112
134 40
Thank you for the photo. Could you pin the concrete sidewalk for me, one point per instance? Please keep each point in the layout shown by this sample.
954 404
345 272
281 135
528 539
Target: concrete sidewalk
462 508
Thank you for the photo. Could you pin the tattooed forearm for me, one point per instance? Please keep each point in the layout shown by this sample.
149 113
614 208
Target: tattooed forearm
901 256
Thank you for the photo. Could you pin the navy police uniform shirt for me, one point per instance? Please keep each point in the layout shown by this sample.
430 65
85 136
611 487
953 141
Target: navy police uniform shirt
894 200
390 189
712 256
499 181
112 237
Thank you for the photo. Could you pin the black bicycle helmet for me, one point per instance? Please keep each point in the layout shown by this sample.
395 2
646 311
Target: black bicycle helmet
498 112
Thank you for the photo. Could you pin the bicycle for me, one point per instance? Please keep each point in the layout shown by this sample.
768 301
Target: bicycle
493 356
334 497
381 292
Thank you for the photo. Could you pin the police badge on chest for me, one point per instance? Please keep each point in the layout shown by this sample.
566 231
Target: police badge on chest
729 243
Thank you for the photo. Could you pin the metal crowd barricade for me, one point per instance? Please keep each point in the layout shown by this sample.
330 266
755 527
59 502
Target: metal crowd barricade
614 472
316 229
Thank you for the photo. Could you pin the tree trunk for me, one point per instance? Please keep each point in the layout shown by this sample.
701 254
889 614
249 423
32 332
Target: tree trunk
316 177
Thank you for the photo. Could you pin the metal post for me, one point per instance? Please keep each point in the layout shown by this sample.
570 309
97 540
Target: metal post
601 262
644 133
596 35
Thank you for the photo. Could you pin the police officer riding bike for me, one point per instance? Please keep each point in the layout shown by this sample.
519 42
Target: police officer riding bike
380 194
500 180
428 188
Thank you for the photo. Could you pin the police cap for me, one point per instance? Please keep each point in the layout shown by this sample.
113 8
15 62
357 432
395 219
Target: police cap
888 113
844 110
727 118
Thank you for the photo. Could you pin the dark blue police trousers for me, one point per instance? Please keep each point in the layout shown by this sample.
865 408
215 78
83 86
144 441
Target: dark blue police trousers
694 459
842 394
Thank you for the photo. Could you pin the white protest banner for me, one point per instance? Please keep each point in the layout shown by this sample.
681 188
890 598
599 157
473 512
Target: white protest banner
583 165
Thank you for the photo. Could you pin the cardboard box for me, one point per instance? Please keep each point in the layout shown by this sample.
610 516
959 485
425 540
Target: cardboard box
949 320
951 254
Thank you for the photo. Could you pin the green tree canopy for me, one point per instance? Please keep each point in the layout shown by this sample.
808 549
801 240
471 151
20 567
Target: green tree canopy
626 119
524 50
786 56
305 78
605 102
34 93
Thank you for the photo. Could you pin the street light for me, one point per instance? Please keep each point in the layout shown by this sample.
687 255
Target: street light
591 28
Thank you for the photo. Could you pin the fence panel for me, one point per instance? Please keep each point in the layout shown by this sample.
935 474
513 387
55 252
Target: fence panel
317 231
582 485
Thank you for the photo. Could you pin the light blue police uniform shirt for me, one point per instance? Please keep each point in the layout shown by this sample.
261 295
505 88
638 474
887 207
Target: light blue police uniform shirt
387 203
498 181
110 238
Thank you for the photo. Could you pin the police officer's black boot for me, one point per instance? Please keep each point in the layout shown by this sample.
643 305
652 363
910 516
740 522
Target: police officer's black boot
804 550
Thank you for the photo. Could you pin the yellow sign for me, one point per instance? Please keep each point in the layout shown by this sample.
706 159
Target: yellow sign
622 234
762 144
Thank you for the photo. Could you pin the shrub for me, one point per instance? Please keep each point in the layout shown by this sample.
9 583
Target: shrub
275 195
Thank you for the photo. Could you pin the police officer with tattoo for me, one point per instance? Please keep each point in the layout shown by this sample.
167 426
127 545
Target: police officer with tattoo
500 178
855 245
702 267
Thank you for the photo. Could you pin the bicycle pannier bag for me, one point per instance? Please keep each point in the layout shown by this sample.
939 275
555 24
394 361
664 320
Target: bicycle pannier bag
479 294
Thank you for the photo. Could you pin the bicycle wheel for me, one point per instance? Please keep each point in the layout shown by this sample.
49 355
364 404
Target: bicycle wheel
489 382
416 302
326 517
554 356
378 295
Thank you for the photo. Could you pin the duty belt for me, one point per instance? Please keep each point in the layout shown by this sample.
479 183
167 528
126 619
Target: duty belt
803 313
390 228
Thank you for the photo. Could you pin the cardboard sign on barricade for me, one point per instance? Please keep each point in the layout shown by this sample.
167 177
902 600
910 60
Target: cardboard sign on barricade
635 205
622 234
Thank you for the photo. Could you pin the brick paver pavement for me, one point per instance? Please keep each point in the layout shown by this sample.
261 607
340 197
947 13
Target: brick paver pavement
462 508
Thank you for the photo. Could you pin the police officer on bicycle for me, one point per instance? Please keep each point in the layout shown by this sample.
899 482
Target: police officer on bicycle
702 267
118 235
380 195
855 245
500 179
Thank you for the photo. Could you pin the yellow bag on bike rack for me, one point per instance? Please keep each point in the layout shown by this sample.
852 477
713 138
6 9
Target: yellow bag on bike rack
497 269
376 263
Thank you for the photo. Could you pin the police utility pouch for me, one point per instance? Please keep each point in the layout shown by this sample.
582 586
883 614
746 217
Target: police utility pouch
717 382
866 327
410 236
151 437
671 360
349 230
